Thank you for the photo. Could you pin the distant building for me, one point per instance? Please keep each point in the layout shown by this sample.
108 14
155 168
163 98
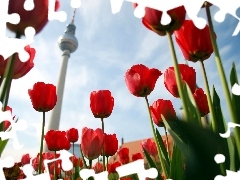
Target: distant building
135 147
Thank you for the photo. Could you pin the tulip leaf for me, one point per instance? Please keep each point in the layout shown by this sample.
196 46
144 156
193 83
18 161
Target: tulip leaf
151 163
199 147
77 170
83 159
163 150
233 148
221 124
235 98
194 115
176 165
3 145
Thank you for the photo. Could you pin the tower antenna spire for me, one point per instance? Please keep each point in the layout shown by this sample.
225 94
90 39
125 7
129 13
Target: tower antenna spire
73 17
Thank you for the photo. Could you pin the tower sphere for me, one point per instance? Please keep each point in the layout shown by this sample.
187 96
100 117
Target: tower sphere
68 41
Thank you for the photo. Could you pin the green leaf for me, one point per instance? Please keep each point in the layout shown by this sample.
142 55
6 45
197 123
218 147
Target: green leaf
221 124
176 165
235 98
77 170
199 147
83 159
3 145
151 163
163 149
194 115
235 159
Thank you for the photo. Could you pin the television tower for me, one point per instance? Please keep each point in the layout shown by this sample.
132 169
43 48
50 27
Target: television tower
68 44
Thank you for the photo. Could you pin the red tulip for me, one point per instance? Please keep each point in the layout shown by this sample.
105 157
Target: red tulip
57 166
123 154
20 68
201 101
6 124
101 103
195 43
188 75
43 96
46 155
153 17
57 140
75 160
162 107
25 159
141 80
72 135
36 18
91 143
98 167
80 161
150 147
110 144
112 167
137 156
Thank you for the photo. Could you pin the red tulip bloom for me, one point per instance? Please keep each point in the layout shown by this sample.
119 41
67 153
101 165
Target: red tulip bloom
162 107
123 154
112 167
56 165
101 103
57 140
6 124
153 17
72 135
201 101
46 155
195 43
188 75
98 167
25 159
20 68
150 147
36 18
75 160
137 156
43 96
110 144
141 80
91 143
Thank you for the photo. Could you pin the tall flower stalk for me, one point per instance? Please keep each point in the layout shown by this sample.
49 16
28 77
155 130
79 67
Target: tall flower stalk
41 147
212 111
103 151
156 141
177 74
223 78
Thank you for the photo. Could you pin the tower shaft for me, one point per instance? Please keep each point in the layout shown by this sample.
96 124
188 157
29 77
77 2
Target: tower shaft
56 112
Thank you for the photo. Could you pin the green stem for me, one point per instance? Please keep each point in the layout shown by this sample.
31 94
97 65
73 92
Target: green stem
165 130
103 153
41 146
55 176
84 162
90 164
155 138
223 79
209 99
107 164
5 103
7 77
73 161
177 75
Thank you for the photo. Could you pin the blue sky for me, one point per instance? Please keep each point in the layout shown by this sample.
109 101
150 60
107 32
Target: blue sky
109 44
